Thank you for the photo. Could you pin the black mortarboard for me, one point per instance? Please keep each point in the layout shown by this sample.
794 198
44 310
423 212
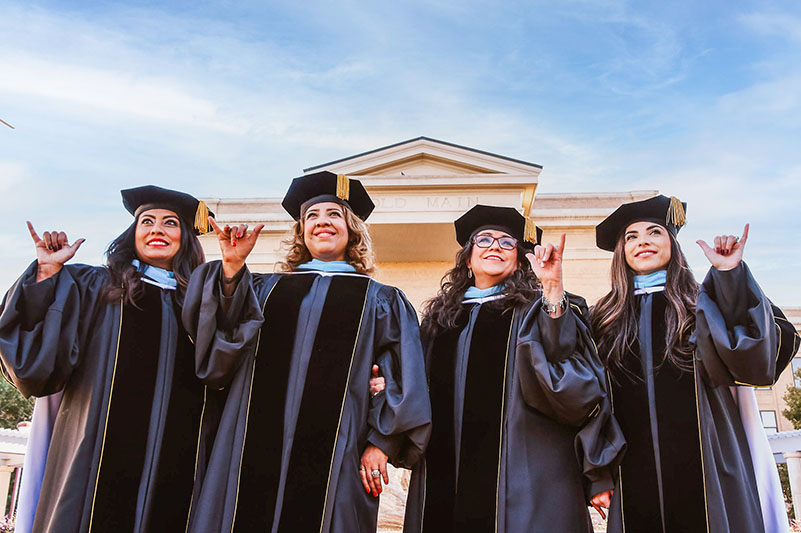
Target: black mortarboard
506 219
325 186
191 210
667 212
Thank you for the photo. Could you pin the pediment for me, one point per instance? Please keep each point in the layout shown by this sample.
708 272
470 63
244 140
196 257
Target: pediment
424 164
429 158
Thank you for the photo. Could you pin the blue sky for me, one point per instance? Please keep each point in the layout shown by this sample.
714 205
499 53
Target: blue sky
701 100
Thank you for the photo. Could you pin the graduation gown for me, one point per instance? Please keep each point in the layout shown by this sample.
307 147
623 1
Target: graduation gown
688 465
522 429
126 438
294 352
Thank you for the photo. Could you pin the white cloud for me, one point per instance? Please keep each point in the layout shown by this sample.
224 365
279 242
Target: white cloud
115 94
12 174
767 101
781 24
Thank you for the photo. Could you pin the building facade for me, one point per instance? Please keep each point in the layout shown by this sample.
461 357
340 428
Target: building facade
770 399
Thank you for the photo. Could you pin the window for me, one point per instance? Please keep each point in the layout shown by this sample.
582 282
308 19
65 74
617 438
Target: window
796 365
769 422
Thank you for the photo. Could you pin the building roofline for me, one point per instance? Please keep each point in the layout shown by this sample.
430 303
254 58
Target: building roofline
423 138
793 433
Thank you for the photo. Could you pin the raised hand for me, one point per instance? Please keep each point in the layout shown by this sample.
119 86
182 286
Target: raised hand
728 250
546 261
236 244
52 251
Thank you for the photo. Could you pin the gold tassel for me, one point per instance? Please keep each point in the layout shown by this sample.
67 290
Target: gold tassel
528 201
530 231
343 187
675 214
202 217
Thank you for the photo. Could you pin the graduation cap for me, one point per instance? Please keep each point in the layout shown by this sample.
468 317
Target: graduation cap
506 219
667 212
325 186
192 211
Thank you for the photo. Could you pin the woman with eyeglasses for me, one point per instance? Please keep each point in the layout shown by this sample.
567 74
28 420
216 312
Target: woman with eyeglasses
127 435
681 359
522 435
302 445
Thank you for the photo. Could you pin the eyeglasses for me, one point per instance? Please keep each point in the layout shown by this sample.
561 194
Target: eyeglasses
485 241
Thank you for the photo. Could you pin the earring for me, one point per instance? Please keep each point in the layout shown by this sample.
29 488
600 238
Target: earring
469 273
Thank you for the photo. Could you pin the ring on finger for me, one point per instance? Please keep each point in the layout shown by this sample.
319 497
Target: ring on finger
375 473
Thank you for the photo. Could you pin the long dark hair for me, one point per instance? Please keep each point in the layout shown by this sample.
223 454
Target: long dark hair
615 318
443 310
124 281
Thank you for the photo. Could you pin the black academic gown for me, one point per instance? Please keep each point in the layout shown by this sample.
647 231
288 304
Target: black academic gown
294 353
688 466
522 434
126 439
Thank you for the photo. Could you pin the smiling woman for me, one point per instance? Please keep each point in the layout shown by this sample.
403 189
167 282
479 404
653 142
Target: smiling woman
682 359
302 444
522 437
106 345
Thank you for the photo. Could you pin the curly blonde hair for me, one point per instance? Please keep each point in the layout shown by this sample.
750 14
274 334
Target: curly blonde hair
358 253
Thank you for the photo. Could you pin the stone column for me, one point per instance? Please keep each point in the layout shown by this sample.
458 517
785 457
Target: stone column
794 473
5 483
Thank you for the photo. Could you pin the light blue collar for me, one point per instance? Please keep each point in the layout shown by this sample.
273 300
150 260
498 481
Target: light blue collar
155 275
473 292
327 266
653 279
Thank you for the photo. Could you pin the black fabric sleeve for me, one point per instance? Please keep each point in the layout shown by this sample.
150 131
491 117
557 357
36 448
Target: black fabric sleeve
223 339
554 366
400 417
738 333
41 326
562 376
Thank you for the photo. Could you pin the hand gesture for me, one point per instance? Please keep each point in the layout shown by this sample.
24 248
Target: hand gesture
377 383
372 469
236 244
602 501
728 250
52 251
546 261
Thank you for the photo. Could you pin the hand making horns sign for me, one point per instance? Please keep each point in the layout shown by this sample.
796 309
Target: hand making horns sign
728 250
236 244
546 261
52 251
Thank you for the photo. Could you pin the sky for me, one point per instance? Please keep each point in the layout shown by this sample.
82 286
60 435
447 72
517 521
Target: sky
701 100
